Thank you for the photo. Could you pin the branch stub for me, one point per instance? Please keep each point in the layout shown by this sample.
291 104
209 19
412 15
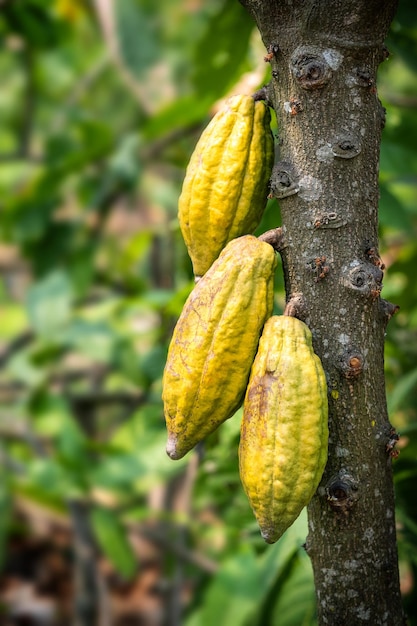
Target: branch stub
310 67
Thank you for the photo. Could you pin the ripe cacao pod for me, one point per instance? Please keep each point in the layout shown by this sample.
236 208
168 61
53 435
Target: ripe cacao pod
226 183
284 432
215 341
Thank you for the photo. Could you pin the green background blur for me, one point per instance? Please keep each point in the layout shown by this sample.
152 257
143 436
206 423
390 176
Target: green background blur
101 104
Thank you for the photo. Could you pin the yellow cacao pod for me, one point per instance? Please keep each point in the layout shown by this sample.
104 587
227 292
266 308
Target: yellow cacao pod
215 341
226 183
284 433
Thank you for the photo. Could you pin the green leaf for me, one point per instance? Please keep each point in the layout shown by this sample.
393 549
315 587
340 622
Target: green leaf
55 248
86 141
236 589
153 363
72 452
53 419
49 479
31 491
136 36
397 159
133 252
185 112
24 370
119 472
124 165
49 304
244 580
49 411
13 320
405 386
275 558
296 601
29 213
33 21
391 211
81 266
221 52
406 14
94 339
143 439
402 42
112 539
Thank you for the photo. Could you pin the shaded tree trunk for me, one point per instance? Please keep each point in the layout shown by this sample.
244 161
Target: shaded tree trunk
324 58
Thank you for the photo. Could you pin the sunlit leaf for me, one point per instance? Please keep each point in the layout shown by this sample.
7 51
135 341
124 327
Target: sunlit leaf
49 303
13 319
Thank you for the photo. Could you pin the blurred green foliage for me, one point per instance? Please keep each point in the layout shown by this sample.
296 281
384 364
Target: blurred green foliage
98 116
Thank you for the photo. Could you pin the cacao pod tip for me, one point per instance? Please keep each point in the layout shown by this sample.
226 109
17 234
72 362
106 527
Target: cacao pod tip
269 535
171 448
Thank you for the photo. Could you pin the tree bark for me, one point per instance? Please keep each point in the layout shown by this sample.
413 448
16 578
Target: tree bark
324 58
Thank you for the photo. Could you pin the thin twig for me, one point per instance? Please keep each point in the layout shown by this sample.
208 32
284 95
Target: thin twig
81 88
29 102
21 341
95 399
159 537
178 499
154 149
88 587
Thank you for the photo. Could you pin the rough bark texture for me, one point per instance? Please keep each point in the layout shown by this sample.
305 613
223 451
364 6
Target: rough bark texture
324 58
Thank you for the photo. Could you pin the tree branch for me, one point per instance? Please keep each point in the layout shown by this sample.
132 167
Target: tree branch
324 58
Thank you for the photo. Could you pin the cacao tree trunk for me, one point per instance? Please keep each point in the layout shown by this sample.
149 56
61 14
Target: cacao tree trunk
324 57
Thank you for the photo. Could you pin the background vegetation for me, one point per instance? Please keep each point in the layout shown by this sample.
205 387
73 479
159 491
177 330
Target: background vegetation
100 107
